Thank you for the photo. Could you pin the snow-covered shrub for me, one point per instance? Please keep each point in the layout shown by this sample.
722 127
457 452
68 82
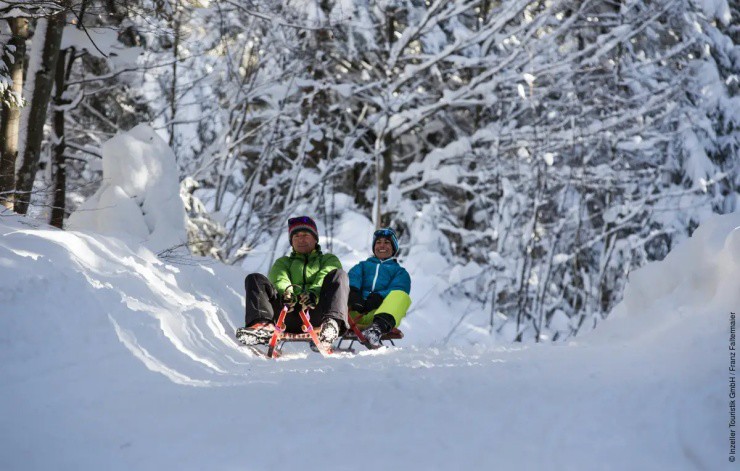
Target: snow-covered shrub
204 231
139 197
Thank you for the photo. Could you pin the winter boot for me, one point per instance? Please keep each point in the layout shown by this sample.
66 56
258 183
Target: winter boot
382 324
328 334
255 334
372 336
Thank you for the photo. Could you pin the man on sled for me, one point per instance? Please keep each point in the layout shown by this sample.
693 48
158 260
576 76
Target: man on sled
379 290
306 278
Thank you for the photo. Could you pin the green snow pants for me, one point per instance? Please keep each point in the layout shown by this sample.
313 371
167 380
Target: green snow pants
396 304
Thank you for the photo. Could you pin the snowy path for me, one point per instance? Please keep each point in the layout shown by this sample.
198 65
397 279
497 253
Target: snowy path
113 359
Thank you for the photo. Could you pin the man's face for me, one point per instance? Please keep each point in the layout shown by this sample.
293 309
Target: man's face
383 248
303 242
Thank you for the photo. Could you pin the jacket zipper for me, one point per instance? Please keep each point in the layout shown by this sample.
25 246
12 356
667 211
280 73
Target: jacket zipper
377 270
305 264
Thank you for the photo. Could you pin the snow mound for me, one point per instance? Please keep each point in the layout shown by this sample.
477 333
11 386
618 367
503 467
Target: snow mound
78 293
139 198
697 283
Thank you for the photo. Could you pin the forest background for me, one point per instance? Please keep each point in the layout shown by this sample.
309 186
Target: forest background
544 149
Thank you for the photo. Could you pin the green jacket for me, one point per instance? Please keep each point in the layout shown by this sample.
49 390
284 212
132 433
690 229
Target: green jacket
307 271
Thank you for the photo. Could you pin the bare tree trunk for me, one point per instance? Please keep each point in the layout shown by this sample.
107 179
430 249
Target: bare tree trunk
60 168
385 175
11 112
384 159
381 153
37 110
173 85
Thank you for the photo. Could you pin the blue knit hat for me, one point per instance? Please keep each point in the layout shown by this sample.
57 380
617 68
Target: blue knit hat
386 233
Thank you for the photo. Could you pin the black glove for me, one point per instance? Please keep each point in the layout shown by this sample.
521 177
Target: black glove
288 297
308 299
356 303
373 301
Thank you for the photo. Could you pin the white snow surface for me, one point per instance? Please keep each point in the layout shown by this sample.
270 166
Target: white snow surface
113 358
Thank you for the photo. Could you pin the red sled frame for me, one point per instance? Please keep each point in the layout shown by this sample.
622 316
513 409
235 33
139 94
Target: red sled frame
280 335
309 334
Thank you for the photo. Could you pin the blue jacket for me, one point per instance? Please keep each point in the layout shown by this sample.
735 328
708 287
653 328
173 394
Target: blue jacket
379 276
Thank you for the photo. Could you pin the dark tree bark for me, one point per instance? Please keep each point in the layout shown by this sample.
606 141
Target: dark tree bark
384 172
63 70
37 111
11 114
173 85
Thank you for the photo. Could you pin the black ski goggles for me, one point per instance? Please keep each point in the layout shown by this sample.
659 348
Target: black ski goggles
300 220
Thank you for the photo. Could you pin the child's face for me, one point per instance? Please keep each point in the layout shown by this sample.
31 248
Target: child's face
383 248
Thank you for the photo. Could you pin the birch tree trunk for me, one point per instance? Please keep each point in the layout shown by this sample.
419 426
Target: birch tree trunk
37 110
11 112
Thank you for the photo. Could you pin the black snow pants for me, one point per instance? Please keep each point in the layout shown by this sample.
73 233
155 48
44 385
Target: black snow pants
264 303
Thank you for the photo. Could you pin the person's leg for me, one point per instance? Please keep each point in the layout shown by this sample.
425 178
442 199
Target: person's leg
261 300
333 300
363 320
392 311
262 307
388 315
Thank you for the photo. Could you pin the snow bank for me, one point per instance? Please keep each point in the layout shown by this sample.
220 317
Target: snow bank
139 198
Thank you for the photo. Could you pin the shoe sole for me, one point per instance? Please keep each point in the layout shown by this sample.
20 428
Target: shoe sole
253 337
328 336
